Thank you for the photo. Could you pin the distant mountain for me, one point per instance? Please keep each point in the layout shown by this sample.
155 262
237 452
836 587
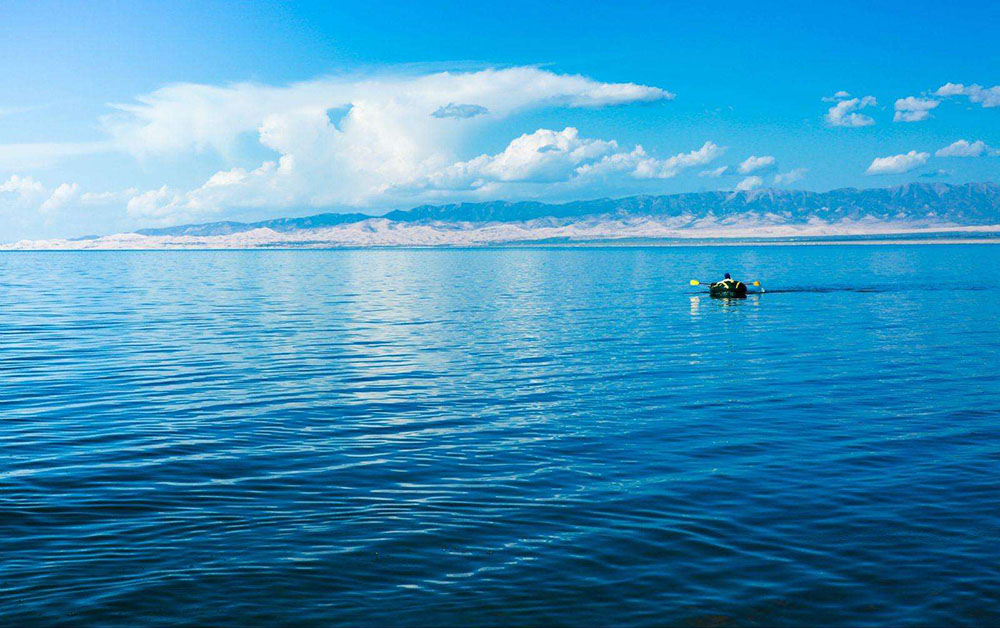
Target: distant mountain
278 224
967 204
920 209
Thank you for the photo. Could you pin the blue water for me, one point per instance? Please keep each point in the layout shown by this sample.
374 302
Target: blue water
543 436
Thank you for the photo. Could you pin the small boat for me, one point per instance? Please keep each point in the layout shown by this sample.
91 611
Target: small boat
728 290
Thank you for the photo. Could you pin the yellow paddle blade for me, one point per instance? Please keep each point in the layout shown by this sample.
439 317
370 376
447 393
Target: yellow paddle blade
695 282
756 283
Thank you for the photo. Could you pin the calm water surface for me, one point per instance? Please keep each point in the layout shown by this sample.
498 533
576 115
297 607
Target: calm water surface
502 436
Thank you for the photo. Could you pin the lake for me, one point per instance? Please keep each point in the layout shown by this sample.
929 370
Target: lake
501 436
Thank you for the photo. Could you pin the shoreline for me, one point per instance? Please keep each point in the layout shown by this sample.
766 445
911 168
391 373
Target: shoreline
519 245
432 237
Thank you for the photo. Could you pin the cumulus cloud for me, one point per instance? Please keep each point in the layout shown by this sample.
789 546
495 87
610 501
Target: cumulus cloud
913 109
897 164
963 148
986 96
395 136
786 178
61 196
20 197
21 187
451 110
846 112
273 183
841 95
754 164
158 203
552 158
29 200
640 165
652 168
714 173
193 116
544 156
749 183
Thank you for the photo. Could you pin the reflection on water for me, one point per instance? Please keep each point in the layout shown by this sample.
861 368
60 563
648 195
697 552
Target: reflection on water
515 436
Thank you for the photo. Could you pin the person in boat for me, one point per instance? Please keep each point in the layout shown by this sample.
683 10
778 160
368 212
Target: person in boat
729 286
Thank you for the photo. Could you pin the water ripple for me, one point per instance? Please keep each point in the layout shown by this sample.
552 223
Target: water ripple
500 437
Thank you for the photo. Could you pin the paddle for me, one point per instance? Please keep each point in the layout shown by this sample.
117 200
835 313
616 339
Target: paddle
695 282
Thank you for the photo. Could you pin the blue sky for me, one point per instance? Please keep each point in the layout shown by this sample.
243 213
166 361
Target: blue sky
117 116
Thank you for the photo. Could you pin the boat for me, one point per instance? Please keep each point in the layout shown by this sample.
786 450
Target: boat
728 290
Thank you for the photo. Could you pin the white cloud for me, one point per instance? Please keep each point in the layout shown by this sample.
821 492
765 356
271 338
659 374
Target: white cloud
962 148
651 168
19 200
62 195
552 158
897 164
21 187
395 136
541 157
714 173
786 178
986 96
156 204
913 109
26 201
845 113
192 116
640 165
32 197
841 95
754 163
749 183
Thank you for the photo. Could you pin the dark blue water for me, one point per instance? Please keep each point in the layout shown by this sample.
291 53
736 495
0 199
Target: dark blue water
514 436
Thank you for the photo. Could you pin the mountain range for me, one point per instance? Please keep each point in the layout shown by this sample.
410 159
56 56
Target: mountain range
763 213
967 204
